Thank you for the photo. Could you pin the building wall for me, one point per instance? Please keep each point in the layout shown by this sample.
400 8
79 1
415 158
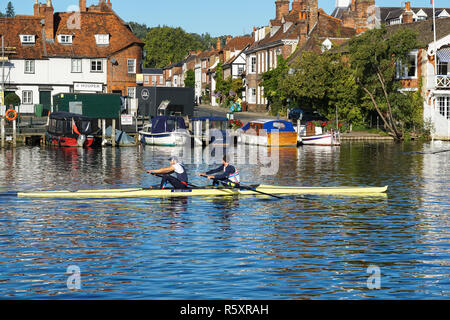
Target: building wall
118 77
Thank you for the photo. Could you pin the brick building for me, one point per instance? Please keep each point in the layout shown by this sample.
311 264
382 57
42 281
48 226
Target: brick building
90 50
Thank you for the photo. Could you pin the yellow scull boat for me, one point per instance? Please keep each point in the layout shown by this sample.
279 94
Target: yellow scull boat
205 192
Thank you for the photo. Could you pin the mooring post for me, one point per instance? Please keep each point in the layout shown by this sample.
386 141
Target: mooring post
103 131
3 131
207 133
14 133
113 133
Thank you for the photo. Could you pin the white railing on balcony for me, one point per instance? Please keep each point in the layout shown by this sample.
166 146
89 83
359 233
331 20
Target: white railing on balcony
443 81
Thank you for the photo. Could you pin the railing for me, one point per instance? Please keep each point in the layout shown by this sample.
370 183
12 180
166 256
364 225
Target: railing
443 81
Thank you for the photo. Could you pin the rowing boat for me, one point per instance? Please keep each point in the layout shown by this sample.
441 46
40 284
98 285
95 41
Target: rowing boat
205 192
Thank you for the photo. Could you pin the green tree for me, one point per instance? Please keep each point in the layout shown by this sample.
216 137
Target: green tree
140 30
373 57
10 10
324 83
165 45
189 81
12 99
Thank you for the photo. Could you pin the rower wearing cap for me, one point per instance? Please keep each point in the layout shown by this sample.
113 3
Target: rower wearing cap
229 175
178 182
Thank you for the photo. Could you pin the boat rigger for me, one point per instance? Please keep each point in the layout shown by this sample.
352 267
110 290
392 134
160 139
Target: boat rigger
206 192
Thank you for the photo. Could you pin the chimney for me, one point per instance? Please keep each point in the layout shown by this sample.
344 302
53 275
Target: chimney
298 5
229 39
36 8
82 6
49 20
282 8
218 46
110 4
407 13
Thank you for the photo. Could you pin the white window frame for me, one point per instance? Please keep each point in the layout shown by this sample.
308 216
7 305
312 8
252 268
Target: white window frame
131 68
65 38
27 97
27 39
161 79
403 71
252 95
102 39
131 90
30 66
252 66
76 66
443 106
98 62
154 80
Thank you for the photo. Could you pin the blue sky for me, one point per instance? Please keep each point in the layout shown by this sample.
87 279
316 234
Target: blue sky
235 17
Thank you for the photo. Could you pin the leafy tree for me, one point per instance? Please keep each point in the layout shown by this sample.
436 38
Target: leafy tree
323 83
189 81
12 99
10 10
140 30
373 57
271 81
165 45
2 14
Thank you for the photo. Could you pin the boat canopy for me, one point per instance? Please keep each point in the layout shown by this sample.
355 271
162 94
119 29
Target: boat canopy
61 123
162 124
270 125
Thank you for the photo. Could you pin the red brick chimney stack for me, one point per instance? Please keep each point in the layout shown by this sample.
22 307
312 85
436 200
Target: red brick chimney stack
49 20
82 6
282 8
407 13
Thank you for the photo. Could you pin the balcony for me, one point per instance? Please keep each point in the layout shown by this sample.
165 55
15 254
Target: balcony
443 82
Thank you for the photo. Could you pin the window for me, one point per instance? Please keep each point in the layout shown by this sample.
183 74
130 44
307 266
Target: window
161 79
240 69
65 39
27 39
204 64
444 106
408 71
27 97
102 39
147 79
252 64
131 92
252 95
443 68
29 66
96 66
131 65
154 80
76 66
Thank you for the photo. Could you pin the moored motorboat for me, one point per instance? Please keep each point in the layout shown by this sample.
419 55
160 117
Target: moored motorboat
271 133
165 131
207 192
70 130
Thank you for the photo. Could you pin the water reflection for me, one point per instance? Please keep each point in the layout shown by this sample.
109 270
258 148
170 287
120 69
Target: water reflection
233 247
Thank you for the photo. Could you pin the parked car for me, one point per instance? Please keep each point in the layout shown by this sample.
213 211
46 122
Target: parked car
305 115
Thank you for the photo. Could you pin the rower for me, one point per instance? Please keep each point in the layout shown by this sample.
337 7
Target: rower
178 182
229 175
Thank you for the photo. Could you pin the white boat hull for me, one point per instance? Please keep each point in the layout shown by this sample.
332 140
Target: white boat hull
165 139
321 140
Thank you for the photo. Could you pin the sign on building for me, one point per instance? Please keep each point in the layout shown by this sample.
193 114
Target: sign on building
89 87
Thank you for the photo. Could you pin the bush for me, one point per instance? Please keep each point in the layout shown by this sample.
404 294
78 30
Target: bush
12 99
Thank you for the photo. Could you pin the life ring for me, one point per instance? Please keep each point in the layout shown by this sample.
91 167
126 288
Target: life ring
9 116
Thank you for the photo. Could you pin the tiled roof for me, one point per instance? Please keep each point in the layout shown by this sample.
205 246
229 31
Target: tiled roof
152 71
238 43
84 43
424 29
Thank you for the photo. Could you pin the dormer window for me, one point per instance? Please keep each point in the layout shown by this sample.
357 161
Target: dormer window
102 39
27 39
65 39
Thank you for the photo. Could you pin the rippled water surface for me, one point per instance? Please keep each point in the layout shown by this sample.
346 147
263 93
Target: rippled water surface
305 247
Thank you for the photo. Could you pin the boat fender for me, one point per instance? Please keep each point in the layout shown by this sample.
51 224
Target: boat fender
81 140
11 114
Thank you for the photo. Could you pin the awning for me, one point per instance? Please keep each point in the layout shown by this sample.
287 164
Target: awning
444 55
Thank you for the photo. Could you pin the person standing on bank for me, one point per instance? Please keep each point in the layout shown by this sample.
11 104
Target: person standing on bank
228 174
178 182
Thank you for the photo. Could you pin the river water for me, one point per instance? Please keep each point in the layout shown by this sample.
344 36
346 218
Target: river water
303 247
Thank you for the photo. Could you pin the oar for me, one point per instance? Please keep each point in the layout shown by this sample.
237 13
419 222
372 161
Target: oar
189 185
254 190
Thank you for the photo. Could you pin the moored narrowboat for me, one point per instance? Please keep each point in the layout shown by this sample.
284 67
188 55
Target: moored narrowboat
272 133
70 130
